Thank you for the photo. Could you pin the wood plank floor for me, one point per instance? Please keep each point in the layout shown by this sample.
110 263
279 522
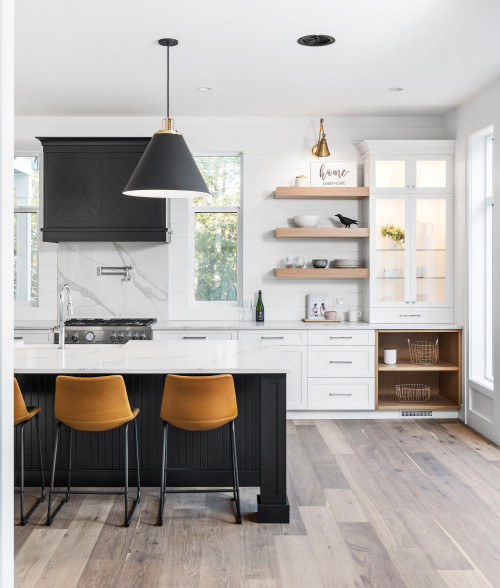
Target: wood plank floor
393 503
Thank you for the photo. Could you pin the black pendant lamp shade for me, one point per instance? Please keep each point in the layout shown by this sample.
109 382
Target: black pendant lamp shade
167 168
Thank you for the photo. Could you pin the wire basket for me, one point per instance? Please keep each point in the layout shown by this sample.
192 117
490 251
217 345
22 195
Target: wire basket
417 393
424 352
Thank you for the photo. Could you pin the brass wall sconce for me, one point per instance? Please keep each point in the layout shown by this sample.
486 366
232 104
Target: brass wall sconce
321 147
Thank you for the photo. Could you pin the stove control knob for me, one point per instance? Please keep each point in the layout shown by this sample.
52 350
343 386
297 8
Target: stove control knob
135 336
142 336
74 337
113 337
89 336
121 336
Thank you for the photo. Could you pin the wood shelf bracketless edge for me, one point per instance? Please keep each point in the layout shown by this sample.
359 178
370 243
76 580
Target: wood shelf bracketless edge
357 193
438 402
312 272
321 232
406 366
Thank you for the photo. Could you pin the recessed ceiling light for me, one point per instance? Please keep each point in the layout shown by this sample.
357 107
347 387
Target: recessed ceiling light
396 89
316 40
204 89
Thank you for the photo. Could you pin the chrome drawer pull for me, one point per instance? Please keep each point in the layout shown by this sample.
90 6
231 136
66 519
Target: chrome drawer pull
340 393
282 337
402 315
340 337
340 361
194 337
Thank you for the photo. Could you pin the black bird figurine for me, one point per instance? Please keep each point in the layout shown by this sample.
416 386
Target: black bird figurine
346 221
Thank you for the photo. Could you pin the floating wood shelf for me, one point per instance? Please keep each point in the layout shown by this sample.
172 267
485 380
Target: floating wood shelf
321 232
312 272
437 402
406 366
340 193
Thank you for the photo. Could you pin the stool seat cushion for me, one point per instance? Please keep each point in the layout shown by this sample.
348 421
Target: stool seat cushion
22 413
93 404
199 403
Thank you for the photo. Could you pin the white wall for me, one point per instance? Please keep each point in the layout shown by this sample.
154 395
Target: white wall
275 150
480 411
6 292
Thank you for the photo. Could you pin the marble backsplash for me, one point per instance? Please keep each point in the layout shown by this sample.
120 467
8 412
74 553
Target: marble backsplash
95 296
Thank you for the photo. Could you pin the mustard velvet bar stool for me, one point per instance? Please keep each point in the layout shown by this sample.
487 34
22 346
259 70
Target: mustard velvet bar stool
24 414
199 403
93 404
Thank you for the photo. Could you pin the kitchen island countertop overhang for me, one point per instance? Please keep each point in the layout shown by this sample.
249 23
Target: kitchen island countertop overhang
197 458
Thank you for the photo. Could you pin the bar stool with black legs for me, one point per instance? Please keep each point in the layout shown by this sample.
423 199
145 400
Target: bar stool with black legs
199 403
24 414
93 404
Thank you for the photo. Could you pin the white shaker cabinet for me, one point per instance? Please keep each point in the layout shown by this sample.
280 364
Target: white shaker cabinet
411 193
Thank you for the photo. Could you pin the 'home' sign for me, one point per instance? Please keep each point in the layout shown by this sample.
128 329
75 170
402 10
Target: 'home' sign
334 173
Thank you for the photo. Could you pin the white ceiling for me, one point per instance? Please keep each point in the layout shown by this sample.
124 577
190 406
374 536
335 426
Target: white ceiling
100 57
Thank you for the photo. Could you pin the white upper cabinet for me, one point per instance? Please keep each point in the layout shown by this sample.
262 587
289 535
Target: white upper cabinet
411 230
391 167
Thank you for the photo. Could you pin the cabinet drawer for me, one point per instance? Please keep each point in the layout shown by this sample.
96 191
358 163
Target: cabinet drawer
193 335
341 394
274 337
334 337
412 315
35 336
352 362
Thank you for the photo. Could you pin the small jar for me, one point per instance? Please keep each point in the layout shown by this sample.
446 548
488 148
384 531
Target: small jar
301 181
390 356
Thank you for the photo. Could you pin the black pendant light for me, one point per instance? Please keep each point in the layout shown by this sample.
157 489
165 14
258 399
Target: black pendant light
167 168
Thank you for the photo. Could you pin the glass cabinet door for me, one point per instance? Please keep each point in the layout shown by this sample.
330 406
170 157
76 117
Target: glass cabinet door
390 174
431 226
430 174
391 253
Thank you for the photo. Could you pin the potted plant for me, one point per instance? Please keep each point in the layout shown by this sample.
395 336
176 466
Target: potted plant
397 234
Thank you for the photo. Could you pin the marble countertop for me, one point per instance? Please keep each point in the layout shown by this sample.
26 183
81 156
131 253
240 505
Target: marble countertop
152 357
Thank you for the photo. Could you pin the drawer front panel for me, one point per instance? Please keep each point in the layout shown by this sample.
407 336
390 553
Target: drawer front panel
341 394
35 336
274 337
412 315
193 335
334 337
353 362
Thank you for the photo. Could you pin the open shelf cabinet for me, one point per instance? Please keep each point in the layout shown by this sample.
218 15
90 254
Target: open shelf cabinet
340 193
321 232
312 272
444 378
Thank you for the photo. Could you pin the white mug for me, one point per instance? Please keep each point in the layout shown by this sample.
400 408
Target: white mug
390 356
354 315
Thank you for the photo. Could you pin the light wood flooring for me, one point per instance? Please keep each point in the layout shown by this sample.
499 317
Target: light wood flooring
373 503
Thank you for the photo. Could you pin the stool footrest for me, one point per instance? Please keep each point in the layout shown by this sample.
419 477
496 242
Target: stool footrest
117 493
202 491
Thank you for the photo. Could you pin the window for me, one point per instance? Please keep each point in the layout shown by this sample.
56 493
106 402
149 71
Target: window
481 258
26 208
217 230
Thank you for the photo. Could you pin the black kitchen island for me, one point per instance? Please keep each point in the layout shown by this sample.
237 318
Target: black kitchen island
196 458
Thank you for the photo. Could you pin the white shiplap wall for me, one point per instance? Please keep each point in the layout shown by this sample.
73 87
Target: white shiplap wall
275 150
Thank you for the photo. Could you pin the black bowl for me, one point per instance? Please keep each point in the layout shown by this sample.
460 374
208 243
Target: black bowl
320 263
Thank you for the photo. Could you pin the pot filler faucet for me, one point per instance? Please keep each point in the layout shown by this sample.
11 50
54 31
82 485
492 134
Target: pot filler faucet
69 310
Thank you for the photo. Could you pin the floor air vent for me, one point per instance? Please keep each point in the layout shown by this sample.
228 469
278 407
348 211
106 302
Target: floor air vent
415 413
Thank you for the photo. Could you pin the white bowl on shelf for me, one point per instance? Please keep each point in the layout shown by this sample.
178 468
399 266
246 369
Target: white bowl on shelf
306 221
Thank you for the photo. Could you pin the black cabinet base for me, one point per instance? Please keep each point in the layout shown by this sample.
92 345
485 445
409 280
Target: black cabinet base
273 513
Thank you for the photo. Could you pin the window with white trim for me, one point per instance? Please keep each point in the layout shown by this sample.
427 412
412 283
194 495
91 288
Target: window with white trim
217 223
26 212
481 258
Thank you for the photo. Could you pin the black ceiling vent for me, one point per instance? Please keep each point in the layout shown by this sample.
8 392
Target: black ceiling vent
316 40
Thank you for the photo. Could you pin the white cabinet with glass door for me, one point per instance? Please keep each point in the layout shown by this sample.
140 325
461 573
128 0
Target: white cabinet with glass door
410 249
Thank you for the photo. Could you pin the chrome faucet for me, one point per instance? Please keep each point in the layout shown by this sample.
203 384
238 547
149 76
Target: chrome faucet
69 310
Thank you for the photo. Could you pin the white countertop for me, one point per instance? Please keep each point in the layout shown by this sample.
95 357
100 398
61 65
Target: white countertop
152 357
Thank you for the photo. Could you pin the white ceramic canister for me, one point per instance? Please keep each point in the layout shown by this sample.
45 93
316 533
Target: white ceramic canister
390 356
302 181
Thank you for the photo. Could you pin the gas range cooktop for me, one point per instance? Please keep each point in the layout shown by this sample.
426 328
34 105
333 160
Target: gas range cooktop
115 330
114 322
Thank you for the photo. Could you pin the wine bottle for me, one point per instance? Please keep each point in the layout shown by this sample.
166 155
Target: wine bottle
259 309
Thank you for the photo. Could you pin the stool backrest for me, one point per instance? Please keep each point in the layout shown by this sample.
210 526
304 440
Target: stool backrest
92 404
20 410
199 403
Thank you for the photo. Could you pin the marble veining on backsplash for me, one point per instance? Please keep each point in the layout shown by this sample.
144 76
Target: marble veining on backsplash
145 295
